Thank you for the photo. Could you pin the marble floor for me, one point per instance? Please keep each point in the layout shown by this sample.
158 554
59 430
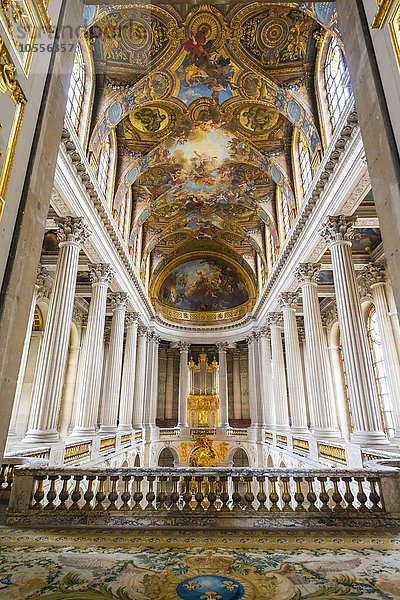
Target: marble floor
129 565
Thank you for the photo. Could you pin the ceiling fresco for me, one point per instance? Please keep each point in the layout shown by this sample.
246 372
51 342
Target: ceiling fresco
204 103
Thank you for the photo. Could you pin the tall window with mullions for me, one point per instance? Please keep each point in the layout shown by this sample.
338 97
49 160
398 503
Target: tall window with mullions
76 91
337 82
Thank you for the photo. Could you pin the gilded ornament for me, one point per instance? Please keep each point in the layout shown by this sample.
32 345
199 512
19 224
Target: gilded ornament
394 28
382 13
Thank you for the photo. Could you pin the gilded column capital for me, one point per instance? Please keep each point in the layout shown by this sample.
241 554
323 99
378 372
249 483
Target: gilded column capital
274 319
307 272
132 318
374 274
119 300
101 273
338 229
288 300
72 230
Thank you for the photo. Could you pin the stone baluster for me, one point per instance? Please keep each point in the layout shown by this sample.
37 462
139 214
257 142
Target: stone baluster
72 232
295 380
323 411
267 395
109 409
223 385
376 278
183 384
368 425
128 374
280 393
88 402
140 379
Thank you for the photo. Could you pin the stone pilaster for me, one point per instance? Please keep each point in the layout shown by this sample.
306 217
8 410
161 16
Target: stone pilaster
183 384
295 380
169 386
324 421
363 395
140 379
237 394
128 374
109 410
375 276
279 385
71 232
88 402
223 385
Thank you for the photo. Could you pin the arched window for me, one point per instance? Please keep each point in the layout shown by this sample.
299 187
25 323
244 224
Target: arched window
76 93
104 166
305 163
337 81
285 214
375 342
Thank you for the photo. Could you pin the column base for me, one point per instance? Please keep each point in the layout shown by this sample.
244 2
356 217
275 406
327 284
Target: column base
41 436
107 430
329 433
83 432
369 438
125 428
300 431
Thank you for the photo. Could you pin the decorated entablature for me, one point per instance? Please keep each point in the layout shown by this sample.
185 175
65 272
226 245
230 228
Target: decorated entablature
203 106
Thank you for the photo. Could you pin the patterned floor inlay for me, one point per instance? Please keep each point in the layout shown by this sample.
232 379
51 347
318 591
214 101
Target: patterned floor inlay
129 565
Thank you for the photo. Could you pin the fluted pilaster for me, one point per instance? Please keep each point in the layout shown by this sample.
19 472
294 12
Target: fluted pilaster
183 384
169 386
88 402
267 392
71 232
280 393
152 381
322 405
237 396
140 379
223 384
295 380
128 374
337 231
256 416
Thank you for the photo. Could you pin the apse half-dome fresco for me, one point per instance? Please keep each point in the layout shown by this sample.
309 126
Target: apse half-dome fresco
204 284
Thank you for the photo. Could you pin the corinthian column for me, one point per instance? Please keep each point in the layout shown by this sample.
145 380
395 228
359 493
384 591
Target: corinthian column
140 379
223 384
376 278
322 405
265 361
237 394
183 384
278 373
72 233
88 402
109 410
295 380
254 383
150 411
128 374
357 358
169 386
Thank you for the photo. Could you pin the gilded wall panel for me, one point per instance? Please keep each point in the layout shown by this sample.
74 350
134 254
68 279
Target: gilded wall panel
394 28
12 105
21 27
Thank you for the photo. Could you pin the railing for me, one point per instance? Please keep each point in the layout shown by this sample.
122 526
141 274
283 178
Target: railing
333 453
237 433
225 497
77 452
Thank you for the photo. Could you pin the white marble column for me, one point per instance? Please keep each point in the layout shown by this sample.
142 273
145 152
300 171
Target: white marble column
256 416
368 426
267 392
280 393
46 399
41 276
376 278
394 316
223 385
323 411
128 374
140 379
169 386
150 407
109 409
88 402
237 394
183 384
295 380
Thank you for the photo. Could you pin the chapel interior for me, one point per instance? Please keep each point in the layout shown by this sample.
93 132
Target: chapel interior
200 290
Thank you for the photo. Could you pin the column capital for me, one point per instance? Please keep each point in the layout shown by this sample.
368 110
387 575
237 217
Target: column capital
274 319
101 273
288 300
131 318
184 346
72 230
157 339
374 274
142 332
337 229
41 275
222 346
307 272
265 332
329 315
119 300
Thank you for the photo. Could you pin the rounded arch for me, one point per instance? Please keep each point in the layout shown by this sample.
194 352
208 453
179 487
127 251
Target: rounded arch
240 458
167 458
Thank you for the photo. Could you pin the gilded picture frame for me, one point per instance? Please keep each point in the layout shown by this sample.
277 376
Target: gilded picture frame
21 27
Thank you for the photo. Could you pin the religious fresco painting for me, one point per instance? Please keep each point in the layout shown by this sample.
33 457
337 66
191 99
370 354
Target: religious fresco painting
205 284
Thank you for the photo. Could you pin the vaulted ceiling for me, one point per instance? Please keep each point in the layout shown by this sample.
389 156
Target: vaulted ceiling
203 101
